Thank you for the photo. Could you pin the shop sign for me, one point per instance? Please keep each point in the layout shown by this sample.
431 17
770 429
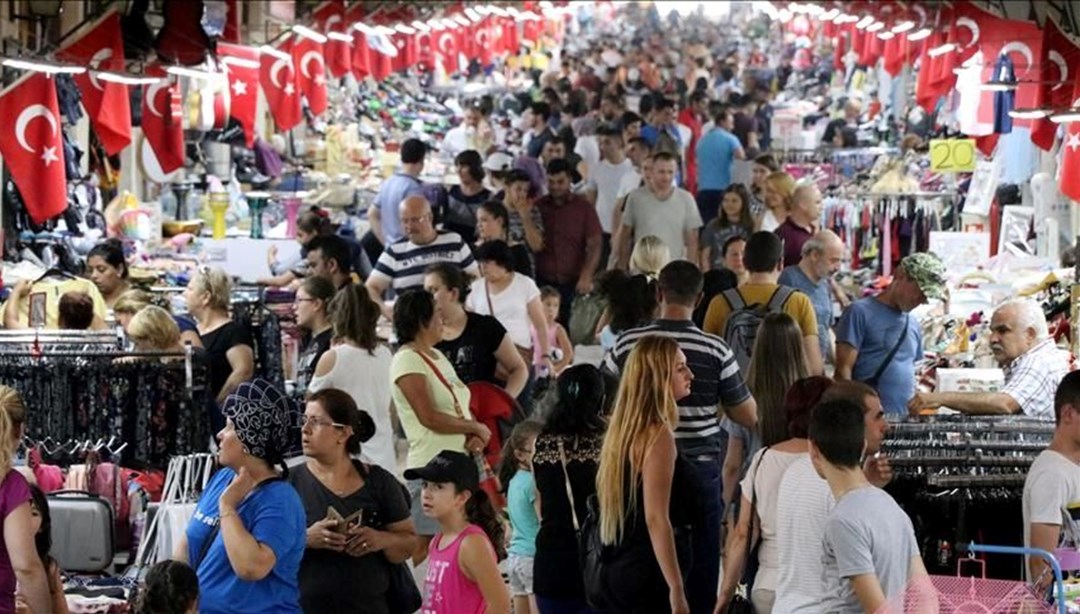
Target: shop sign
952 155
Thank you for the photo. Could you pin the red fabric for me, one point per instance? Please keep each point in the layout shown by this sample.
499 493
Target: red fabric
490 404
107 104
688 119
277 76
32 145
511 35
330 17
839 50
310 72
1069 174
361 59
407 55
161 120
483 42
894 54
1022 40
425 50
243 86
1058 58
446 50
232 23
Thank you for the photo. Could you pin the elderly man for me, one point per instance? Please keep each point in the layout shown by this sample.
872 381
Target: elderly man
1033 365
821 258
799 226
402 264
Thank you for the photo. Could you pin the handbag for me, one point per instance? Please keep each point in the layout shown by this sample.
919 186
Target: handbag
740 603
873 381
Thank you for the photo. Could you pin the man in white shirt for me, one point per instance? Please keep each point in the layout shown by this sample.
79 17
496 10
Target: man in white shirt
1053 481
661 209
605 178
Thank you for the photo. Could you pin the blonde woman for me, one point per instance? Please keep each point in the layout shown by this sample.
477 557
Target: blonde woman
639 470
25 568
133 301
649 256
153 329
779 188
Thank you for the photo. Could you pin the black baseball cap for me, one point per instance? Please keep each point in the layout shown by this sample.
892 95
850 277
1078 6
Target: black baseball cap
413 151
448 468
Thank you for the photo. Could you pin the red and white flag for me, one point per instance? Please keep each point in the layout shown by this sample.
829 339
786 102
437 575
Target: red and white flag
330 18
425 50
107 103
1059 59
360 59
1069 169
446 50
310 72
242 68
162 124
32 145
277 77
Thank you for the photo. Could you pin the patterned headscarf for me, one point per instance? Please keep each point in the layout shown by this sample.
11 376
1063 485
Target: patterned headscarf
263 418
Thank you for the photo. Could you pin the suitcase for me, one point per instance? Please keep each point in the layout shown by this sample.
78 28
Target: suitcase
82 531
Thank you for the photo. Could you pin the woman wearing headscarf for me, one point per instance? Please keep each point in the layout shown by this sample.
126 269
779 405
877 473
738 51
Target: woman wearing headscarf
247 536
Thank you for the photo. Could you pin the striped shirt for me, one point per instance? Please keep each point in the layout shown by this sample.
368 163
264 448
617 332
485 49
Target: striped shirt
717 381
403 263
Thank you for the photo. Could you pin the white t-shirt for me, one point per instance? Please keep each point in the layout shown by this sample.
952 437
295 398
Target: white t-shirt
1052 482
630 182
667 219
511 306
366 377
606 179
766 472
589 149
802 507
769 222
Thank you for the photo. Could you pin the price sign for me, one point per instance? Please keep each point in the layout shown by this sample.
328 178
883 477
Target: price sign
952 155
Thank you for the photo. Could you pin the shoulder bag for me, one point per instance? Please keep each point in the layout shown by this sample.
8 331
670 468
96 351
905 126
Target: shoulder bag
873 381
740 603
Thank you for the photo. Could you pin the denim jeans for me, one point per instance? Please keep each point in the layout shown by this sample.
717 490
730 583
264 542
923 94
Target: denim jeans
701 586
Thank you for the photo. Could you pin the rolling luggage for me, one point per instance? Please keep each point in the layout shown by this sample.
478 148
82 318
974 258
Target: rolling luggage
82 531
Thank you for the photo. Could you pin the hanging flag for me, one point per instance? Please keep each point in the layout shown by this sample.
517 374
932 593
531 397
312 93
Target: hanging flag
330 18
511 35
446 50
310 72
1058 59
242 68
1021 42
33 147
483 47
162 124
425 50
361 52
1069 171
893 55
107 104
277 77
405 47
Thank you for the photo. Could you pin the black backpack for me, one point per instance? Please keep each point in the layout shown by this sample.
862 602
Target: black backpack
741 328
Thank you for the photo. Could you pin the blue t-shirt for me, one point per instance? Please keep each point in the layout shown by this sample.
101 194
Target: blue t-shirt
521 505
274 515
873 329
819 297
715 154
394 190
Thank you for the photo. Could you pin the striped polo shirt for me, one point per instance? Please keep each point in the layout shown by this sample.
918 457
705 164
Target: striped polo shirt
403 263
717 381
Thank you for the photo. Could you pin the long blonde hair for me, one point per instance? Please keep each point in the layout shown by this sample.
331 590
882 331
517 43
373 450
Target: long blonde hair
12 412
777 362
784 185
649 256
644 405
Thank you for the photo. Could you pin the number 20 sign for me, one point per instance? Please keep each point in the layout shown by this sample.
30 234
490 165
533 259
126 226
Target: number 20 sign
952 155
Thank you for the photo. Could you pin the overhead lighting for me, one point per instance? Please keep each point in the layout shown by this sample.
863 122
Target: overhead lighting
941 50
308 33
420 26
546 5
513 12
1066 117
874 27
384 31
472 14
277 53
1029 113
364 29
886 35
193 73
903 26
462 21
481 9
920 34
998 86
339 36
404 29
829 15
436 25
863 23
241 62
497 11
846 18
52 69
122 79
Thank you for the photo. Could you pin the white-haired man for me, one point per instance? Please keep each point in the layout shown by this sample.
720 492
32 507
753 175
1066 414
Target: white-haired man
822 255
1033 365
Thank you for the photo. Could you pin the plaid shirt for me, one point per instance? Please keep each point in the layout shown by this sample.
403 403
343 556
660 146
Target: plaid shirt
1032 379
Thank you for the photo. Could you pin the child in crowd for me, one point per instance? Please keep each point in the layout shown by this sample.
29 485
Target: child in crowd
558 339
523 507
171 588
41 523
735 220
463 573
871 553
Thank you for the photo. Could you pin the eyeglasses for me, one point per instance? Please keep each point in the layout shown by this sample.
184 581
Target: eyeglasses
316 421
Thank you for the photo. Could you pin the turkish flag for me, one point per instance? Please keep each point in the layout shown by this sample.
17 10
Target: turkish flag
511 36
839 50
894 54
383 55
483 47
107 104
425 50
277 76
330 17
1069 173
407 55
242 68
1058 53
161 120
310 72
1021 41
446 50
32 145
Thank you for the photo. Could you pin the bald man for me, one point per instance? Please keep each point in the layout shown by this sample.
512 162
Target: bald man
822 254
402 264
802 220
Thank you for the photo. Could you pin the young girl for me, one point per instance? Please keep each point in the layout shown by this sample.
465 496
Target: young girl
735 219
558 340
523 507
463 572
171 588
41 523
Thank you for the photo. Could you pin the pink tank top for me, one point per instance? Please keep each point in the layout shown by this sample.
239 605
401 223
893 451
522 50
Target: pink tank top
446 589
553 342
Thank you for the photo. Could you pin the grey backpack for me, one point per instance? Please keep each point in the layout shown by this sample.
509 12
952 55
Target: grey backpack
741 328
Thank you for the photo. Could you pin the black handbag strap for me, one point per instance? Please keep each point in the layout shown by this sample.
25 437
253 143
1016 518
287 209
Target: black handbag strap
873 381
753 505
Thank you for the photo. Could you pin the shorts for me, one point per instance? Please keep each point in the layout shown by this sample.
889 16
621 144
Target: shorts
425 526
520 571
